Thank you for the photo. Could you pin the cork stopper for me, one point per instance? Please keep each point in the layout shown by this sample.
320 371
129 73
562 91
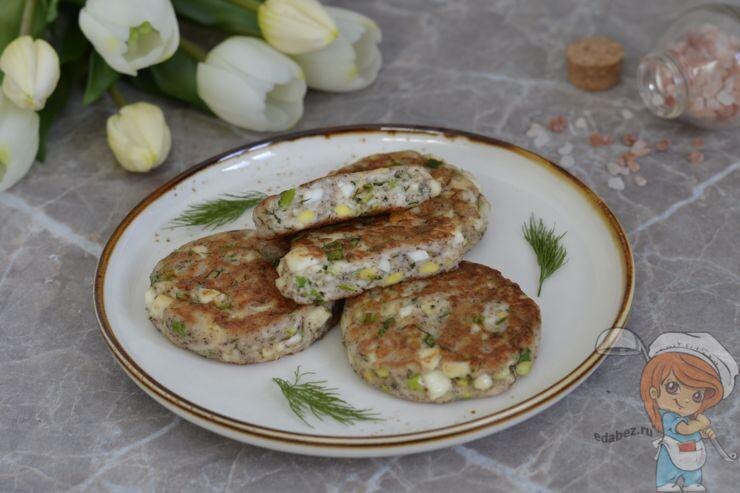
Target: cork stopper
594 64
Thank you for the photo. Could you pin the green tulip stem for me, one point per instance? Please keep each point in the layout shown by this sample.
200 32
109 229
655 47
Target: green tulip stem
193 49
116 95
27 19
251 5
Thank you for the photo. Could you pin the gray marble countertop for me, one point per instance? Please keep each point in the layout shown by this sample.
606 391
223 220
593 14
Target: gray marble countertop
70 419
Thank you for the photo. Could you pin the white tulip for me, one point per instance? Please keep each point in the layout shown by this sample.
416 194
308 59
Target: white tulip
19 141
249 84
139 136
351 62
131 34
31 71
296 26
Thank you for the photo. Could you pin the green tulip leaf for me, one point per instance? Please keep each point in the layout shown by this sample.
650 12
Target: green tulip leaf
65 34
219 14
174 78
100 76
10 21
70 73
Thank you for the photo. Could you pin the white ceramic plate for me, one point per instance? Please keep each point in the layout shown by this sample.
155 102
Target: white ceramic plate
591 293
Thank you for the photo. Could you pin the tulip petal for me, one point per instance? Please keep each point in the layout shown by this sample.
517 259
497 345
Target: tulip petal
255 59
230 98
47 70
108 24
139 136
296 26
19 142
352 61
31 70
249 84
332 68
106 43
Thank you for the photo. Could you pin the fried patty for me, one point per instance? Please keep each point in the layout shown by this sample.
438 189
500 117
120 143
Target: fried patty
463 334
216 296
338 198
342 261
460 200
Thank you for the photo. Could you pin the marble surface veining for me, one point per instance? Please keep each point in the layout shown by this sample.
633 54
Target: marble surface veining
70 419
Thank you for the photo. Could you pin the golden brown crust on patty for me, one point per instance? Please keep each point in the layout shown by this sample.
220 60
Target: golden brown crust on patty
460 200
468 329
221 269
364 238
383 160
339 198
216 296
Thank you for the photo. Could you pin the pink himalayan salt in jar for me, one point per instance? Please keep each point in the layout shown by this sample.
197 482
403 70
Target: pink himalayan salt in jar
694 74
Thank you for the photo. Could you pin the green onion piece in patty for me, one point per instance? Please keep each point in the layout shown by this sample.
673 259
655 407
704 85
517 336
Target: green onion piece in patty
525 355
385 325
334 251
286 198
433 163
178 327
429 339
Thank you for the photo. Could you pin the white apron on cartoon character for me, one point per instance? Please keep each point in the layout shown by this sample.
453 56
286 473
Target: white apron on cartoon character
687 373
688 456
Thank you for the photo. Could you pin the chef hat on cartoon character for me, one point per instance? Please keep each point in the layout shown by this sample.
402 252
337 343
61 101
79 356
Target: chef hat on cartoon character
703 346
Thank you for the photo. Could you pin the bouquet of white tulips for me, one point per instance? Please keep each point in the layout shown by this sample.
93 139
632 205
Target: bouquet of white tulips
255 78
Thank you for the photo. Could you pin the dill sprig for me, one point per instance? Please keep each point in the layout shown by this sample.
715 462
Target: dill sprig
547 247
215 213
321 401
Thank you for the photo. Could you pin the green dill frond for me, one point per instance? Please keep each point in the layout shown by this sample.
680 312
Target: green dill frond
322 401
215 213
547 246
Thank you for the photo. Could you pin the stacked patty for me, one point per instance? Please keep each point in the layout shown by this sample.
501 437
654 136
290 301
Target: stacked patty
338 198
216 296
340 262
460 199
343 261
463 334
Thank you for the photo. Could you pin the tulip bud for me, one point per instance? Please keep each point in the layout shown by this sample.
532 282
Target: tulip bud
131 34
247 83
139 137
349 63
19 141
31 69
296 26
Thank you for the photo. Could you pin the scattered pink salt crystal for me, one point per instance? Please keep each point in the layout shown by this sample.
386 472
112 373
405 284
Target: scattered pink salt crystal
616 183
663 145
615 169
535 129
628 159
629 139
697 142
580 123
565 149
696 157
640 181
541 140
640 148
557 124
599 140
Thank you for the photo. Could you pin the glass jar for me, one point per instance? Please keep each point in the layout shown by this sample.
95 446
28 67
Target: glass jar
694 74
